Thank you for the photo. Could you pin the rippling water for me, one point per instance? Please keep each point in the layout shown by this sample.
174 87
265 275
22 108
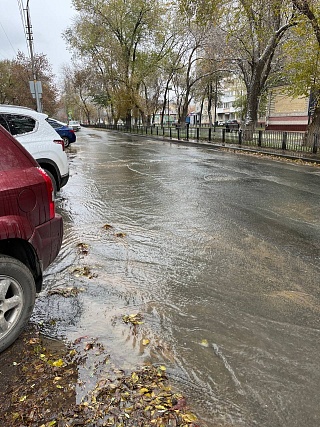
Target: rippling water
218 251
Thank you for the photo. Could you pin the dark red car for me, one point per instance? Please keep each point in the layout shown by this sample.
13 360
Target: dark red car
30 235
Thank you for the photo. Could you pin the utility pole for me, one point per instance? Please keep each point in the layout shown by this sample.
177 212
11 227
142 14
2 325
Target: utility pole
35 86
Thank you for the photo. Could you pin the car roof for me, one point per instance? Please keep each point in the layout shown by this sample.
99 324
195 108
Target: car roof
17 109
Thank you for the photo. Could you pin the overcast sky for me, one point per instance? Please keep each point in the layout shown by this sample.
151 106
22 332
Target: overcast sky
49 18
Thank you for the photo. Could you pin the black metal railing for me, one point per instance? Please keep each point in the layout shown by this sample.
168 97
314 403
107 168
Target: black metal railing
293 143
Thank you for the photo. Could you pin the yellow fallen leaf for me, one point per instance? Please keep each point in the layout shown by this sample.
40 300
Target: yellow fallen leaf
145 342
134 377
161 407
22 399
204 343
189 417
58 363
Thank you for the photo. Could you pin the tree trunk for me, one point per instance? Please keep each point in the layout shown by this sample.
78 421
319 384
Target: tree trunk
313 135
210 97
253 96
128 119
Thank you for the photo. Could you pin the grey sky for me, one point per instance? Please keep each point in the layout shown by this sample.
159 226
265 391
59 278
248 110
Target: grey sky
49 18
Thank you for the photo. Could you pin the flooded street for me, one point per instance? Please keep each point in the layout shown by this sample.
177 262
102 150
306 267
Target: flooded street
219 252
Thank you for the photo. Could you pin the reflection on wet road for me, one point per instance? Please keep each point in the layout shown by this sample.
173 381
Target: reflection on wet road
218 251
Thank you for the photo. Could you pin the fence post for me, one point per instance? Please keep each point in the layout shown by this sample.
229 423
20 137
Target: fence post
187 133
260 138
223 136
240 136
170 132
178 133
284 140
209 136
198 134
157 130
315 143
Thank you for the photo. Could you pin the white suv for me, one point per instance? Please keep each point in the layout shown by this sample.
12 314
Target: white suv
32 130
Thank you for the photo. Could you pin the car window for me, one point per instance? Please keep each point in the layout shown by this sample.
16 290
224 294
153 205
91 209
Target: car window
54 123
17 124
4 123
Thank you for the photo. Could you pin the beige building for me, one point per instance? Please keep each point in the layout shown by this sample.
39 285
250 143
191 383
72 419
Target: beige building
285 112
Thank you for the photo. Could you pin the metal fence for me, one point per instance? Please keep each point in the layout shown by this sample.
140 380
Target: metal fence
274 142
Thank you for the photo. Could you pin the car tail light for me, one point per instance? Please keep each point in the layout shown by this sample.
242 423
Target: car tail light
50 192
60 142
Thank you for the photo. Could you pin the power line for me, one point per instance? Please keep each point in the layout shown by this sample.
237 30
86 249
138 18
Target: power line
8 38
24 20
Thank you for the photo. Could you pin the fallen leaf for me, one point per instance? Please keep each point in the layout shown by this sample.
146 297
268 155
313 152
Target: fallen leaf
58 363
120 234
107 226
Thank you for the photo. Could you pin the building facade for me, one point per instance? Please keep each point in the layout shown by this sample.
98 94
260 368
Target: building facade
286 113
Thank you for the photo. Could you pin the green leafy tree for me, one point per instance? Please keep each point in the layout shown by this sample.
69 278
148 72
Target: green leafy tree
124 41
14 82
254 31
303 65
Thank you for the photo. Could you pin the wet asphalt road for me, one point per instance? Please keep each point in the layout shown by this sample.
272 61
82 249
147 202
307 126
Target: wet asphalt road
220 254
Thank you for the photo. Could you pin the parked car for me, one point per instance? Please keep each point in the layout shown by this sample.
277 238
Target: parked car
32 130
232 125
30 235
75 125
66 132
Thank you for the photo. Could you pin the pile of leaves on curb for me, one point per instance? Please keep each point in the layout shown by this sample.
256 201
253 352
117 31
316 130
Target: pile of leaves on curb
36 384
38 388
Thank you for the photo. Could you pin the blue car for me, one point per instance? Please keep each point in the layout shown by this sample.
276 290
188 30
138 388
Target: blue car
67 133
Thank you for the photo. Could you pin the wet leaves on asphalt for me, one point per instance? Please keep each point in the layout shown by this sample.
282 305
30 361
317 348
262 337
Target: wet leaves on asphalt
134 319
117 234
46 396
107 226
83 248
66 292
120 234
141 398
83 271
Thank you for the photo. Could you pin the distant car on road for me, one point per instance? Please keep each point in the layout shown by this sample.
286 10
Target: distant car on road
66 132
75 125
30 235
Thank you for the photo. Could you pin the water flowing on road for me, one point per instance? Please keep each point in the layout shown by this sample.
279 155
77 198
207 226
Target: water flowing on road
218 251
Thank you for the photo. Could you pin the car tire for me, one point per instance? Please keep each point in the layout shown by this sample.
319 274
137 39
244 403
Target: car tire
66 141
17 298
54 183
